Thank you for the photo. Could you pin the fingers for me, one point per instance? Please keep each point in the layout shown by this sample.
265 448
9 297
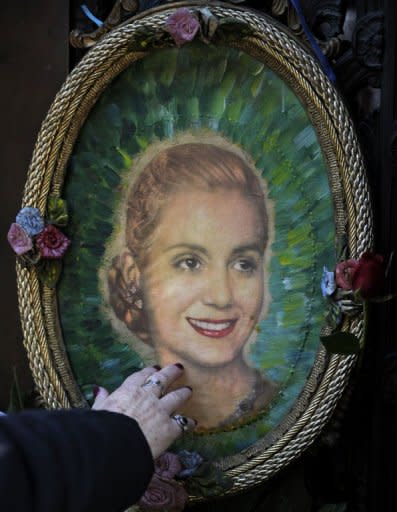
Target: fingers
138 378
166 375
169 374
141 396
182 425
156 381
172 401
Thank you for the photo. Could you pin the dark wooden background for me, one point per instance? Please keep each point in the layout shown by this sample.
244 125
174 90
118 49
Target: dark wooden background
355 459
34 60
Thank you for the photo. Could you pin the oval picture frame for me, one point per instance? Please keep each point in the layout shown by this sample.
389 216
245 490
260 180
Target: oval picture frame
269 43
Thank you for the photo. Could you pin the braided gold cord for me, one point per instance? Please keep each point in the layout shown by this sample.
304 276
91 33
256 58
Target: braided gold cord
41 365
282 53
53 131
57 349
306 426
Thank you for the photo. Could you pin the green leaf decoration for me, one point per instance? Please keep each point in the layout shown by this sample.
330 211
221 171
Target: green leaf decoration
144 40
343 343
207 479
57 212
49 272
231 27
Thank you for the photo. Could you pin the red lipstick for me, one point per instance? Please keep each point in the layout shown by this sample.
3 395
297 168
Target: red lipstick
212 328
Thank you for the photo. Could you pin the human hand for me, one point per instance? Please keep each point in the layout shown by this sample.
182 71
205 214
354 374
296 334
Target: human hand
143 396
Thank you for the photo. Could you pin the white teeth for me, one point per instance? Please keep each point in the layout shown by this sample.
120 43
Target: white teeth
210 326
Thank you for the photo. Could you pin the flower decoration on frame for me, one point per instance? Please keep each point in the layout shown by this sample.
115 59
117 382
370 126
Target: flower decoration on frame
348 291
177 475
186 25
182 26
38 241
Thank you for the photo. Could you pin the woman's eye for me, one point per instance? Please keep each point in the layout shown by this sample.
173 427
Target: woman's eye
189 264
245 265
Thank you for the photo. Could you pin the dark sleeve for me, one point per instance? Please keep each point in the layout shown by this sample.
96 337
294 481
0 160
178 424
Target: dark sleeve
72 461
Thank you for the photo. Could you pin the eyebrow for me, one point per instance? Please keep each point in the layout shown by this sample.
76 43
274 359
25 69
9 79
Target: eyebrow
190 247
238 250
249 247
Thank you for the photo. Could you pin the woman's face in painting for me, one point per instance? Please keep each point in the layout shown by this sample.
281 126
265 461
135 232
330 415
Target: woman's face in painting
203 278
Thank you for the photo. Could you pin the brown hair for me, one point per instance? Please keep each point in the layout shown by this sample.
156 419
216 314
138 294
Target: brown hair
198 165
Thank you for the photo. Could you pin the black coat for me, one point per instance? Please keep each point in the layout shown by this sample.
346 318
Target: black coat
72 461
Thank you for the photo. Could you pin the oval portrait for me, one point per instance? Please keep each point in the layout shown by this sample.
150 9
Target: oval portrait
207 186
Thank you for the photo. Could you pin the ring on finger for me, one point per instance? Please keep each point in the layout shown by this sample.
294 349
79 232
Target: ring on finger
153 381
182 422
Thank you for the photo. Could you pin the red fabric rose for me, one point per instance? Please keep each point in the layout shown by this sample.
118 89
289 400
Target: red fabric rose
369 275
163 494
344 273
52 243
366 274
182 25
167 465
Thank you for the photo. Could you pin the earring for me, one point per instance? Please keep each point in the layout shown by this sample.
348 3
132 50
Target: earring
133 296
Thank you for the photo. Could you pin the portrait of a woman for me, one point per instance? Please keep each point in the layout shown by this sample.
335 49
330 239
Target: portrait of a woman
191 278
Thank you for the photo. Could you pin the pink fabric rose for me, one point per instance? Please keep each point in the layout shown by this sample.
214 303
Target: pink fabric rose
163 494
369 275
167 465
52 243
19 240
182 25
344 273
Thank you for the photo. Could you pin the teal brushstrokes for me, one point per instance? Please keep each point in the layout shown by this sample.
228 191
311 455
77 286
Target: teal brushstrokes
239 98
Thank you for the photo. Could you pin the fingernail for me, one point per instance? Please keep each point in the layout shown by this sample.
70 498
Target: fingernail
188 387
95 391
180 366
157 367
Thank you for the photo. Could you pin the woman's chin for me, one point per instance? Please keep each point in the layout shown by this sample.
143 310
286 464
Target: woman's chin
209 361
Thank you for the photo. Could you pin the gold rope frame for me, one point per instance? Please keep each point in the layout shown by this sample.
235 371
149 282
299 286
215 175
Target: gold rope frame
273 45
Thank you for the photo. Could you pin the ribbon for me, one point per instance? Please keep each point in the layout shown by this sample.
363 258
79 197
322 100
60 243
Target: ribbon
90 16
312 40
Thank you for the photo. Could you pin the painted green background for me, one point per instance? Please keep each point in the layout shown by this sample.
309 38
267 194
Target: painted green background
226 91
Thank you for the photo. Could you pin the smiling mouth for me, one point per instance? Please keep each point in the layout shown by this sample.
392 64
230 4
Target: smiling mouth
212 328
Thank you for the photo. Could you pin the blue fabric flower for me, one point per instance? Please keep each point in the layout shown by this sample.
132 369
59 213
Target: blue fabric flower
191 461
30 220
328 285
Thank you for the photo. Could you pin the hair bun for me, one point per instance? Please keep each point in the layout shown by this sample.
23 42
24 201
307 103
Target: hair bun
124 293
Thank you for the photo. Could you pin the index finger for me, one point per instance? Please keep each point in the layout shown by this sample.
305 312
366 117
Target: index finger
168 375
138 378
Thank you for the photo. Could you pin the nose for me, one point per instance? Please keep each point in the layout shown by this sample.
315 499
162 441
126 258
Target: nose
219 292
